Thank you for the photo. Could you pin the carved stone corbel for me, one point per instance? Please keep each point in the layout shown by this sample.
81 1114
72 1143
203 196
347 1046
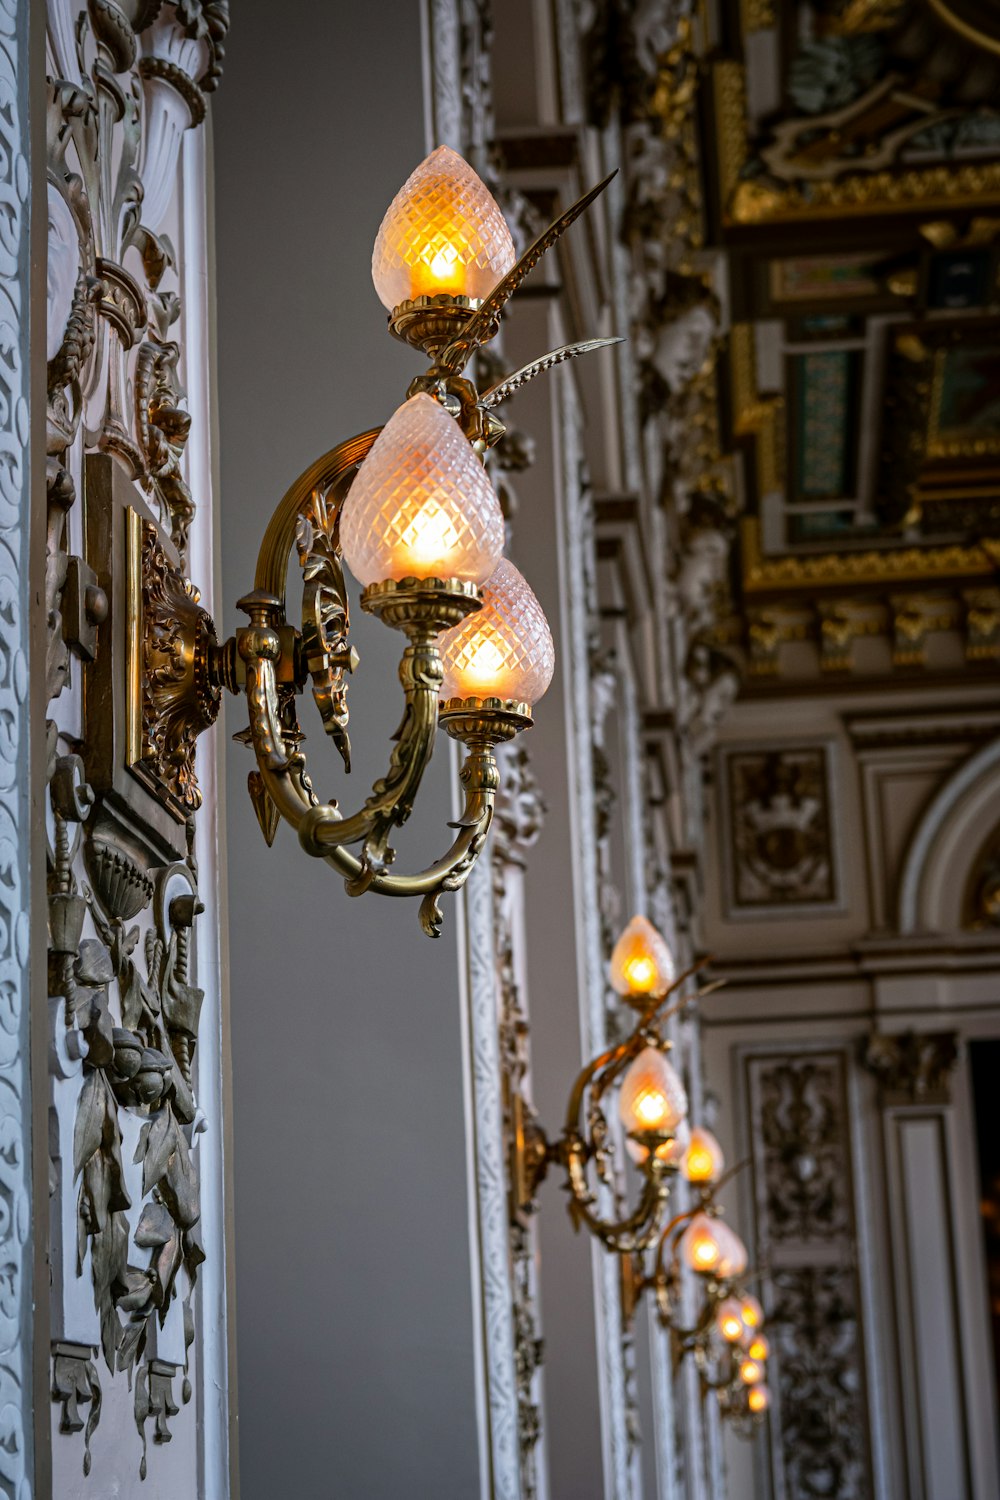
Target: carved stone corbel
911 1067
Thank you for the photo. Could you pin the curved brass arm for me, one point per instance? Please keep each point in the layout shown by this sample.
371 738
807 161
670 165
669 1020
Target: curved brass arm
637 1230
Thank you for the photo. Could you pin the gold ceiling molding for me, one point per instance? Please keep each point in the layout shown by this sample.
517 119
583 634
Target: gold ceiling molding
729 97
790 572
744 201
976 184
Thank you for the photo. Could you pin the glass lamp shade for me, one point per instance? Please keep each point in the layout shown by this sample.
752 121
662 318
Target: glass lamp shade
758 1398
712 1248
652 1096
729 1321
422 505
734 1257
751 1312
641 962
703 1160
701 1244
751 1371
505 651
442 234
759 1349
669 1151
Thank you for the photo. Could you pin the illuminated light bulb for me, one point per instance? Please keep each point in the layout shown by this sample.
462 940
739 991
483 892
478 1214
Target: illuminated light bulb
422 505
652 1096
505 651
729 1321
758 1398
703 1160
701 1245
641 962
442 234
751 1371
759 1349
751 1312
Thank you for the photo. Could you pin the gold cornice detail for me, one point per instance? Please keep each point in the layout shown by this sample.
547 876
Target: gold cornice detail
839 569
757 15
945 187
729 101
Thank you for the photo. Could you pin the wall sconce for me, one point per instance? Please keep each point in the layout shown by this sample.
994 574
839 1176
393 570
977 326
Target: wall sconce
413 513
726 1339
652 1105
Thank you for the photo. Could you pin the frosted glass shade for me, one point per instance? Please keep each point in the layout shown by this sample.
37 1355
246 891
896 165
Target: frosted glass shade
751 1311
442 234
703 1160
422 505
729 1321
641 962
505 651
758 1398
652 1096
759 1349
751 1371
711 1247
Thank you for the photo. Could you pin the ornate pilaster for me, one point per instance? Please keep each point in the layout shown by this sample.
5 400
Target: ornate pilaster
16 1447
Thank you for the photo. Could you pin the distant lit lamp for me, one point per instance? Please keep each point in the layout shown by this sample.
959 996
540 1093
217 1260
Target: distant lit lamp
642 966
703 1161
759 1349
651 1097
758 1399
751 1311
729 1321
652 1100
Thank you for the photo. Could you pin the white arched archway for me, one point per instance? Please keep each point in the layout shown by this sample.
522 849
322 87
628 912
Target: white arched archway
947 840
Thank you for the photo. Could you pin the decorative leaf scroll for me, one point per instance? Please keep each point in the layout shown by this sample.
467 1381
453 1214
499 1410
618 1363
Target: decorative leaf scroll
326 619
511 383
484 323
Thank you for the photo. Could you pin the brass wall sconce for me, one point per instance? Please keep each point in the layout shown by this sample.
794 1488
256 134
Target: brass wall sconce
411 510
652 1106
726 1339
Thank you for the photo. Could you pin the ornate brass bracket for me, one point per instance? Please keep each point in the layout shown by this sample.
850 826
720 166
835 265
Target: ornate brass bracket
171 643
272 662
587 1143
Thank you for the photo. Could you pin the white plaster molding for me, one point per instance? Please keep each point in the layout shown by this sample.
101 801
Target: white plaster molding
16 1452
500 1468
947 840
575 543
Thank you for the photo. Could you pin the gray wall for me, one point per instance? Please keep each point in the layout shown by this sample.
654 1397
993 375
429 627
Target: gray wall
353 1286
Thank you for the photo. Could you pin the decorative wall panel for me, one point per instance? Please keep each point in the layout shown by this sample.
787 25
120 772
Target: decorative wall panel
800 1131
127 639
17 755
778 829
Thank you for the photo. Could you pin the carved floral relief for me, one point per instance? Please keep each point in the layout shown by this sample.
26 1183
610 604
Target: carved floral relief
124 83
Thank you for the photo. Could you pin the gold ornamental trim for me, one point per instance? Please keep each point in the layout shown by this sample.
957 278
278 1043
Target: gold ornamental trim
946 187
839 569
730 101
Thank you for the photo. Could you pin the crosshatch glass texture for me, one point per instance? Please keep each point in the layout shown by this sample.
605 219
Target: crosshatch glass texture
422 505
442 234
506 650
